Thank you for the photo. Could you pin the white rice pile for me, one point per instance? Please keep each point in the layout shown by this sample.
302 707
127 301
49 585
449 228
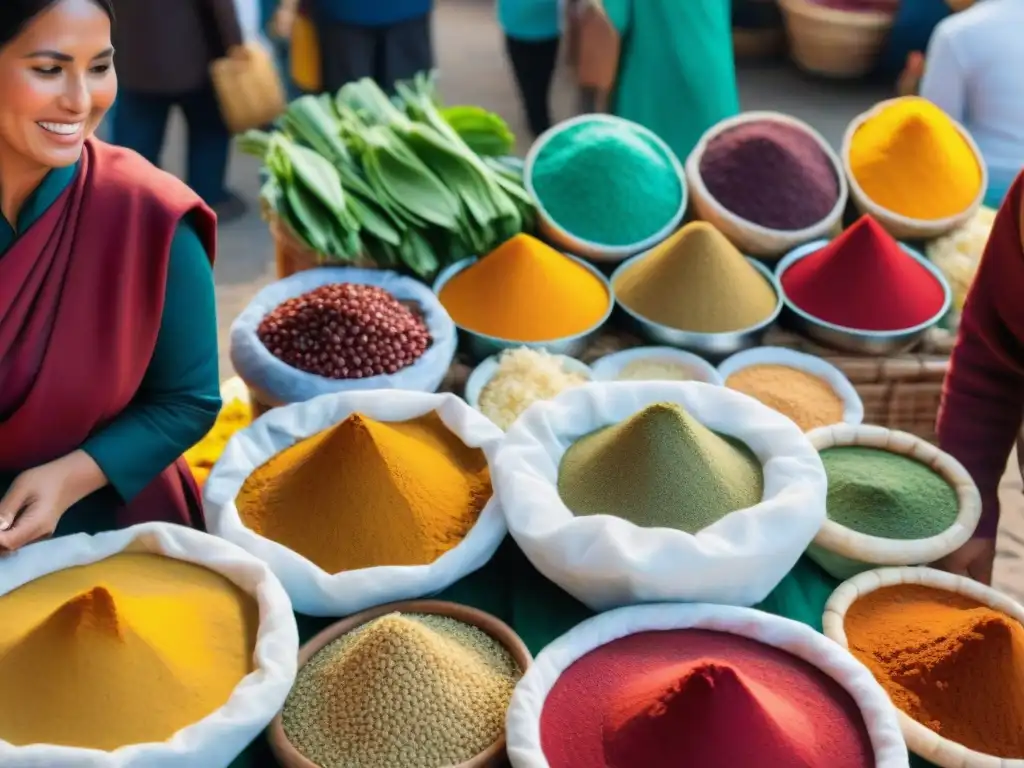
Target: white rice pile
524 376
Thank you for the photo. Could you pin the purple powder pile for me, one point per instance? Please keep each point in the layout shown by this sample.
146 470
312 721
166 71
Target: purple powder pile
771 174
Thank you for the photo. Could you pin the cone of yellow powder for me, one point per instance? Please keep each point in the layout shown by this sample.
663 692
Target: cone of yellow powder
907 159
127 650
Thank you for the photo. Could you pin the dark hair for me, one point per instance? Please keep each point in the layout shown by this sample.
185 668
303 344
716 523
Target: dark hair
15 14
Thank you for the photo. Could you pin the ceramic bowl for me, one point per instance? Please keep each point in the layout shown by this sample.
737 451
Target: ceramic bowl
609 366
484 372
493 756
567 241
844 552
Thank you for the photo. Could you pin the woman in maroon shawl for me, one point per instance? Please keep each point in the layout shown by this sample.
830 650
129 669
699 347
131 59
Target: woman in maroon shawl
983 398
108 357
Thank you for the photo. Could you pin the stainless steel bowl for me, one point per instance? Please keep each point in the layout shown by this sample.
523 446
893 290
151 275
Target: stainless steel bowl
712 345
561 238
482 346
851 339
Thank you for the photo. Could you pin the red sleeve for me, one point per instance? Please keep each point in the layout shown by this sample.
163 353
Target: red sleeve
983 396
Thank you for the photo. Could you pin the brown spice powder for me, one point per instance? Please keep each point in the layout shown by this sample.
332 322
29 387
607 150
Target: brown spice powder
807 399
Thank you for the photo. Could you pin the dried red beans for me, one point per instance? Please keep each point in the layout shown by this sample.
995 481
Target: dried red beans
345 331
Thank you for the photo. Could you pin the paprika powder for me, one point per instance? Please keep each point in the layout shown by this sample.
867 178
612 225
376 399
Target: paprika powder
950 663
865 281
702 698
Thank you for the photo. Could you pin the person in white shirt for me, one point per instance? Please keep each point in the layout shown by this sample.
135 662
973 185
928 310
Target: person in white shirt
974 71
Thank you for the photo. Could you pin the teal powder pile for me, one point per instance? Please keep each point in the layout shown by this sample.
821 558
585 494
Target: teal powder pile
883 494
661 468
606 183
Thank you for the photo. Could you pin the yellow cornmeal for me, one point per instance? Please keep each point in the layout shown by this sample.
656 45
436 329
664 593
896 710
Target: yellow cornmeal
124 651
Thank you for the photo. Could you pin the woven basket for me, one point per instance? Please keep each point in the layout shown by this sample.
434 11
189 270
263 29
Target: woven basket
922 741
901 227
753 239
844 552
292 255
249 88
833 43
900 392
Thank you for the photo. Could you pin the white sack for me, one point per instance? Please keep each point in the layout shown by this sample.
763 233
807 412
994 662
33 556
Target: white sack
215 741
606 561
312 590
275 382
523 720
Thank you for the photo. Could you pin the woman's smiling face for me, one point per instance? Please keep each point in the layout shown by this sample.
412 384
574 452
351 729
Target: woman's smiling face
57 81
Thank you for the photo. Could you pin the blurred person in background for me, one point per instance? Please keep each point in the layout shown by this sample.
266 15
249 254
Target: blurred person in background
676 74
532 32
974 71
164 52
386 40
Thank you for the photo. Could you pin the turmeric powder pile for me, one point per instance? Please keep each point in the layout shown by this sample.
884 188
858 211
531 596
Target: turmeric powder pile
125 651
525 290
911 159
367 493
947 661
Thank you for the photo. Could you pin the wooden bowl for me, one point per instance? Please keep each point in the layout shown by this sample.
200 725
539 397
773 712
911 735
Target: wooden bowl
492 757
921 740
844 552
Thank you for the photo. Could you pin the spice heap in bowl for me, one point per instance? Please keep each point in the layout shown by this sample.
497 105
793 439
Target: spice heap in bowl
768 181
368 493
893 499
421 686
695 290
661 468
950 654
724 687
655 364
913 168
345 331
605 188
863 291
525 292
95 656
504 387
810 391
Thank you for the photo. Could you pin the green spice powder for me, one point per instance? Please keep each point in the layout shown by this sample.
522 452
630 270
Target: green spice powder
881 493
660 468
402 691
606 183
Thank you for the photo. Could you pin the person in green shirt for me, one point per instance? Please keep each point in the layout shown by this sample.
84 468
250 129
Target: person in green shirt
108 336
676 73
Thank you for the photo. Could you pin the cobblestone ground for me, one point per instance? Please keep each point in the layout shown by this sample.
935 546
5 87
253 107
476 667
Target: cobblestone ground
474 71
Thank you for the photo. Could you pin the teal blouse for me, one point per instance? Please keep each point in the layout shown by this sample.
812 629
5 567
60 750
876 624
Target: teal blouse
180 394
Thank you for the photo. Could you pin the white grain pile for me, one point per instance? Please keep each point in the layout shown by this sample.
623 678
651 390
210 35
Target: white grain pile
524 376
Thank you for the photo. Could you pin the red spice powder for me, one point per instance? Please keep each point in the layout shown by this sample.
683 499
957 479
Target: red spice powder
864 280
701 698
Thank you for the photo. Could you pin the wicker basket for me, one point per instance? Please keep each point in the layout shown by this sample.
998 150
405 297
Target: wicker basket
902 227
249 88
833 43
292 255
901 392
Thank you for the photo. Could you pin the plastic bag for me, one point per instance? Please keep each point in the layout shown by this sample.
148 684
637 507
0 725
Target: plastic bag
215 741
523 720
312 590
277 383
606 561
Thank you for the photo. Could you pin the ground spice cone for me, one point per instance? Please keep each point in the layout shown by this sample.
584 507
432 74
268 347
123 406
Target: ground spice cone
950 663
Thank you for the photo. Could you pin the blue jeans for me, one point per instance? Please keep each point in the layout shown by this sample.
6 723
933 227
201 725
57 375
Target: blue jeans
140 122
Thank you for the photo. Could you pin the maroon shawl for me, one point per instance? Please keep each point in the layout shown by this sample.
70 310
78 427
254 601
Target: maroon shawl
81 299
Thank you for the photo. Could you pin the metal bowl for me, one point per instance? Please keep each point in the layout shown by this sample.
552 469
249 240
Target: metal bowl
567 241
852 339
482 346
714 345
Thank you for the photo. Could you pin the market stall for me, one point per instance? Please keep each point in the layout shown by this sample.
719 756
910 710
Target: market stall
551 393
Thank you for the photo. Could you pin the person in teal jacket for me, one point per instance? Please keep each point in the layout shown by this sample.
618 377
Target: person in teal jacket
676 71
